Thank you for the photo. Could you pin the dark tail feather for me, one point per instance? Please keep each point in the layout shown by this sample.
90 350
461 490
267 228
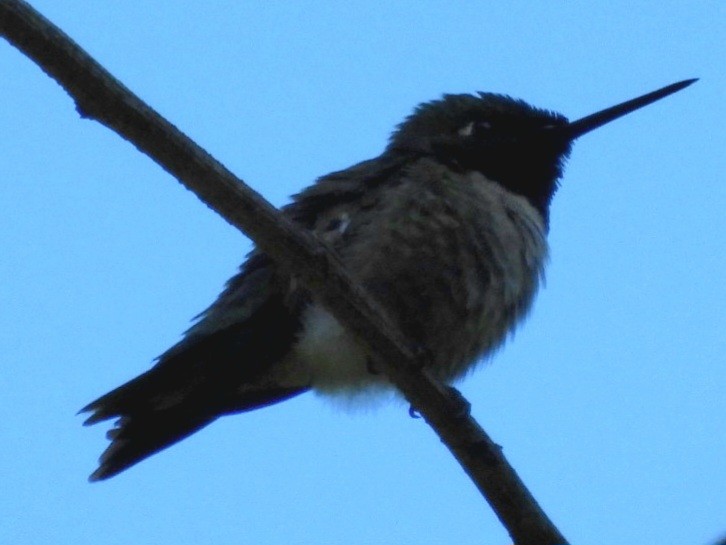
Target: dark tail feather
135 438
154 411
204 376
159 408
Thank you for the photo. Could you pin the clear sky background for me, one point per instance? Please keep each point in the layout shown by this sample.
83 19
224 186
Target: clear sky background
610 401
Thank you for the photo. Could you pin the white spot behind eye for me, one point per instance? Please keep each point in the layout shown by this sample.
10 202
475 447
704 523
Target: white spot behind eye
470 128
467 130
344 222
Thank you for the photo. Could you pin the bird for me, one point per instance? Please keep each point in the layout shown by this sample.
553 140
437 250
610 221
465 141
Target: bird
446 230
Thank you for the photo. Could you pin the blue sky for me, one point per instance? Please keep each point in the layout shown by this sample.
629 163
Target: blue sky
610 400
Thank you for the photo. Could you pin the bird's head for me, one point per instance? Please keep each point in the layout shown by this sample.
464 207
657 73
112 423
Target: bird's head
521 147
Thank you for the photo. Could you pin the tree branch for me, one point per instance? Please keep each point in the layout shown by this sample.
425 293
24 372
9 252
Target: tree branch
99 96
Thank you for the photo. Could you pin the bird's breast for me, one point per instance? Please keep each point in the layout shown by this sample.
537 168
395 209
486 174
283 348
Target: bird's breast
455 260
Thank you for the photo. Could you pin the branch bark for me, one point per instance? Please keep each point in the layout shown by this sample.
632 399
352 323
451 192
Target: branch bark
99 96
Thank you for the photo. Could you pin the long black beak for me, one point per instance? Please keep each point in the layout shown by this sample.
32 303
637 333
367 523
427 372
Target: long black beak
577 128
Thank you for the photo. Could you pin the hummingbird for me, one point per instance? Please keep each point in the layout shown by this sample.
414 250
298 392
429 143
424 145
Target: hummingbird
446 230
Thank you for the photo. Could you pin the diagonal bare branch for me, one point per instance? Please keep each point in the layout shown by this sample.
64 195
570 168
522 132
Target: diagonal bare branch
98 95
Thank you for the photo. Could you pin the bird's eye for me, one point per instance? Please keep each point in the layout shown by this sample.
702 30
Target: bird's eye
475 127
